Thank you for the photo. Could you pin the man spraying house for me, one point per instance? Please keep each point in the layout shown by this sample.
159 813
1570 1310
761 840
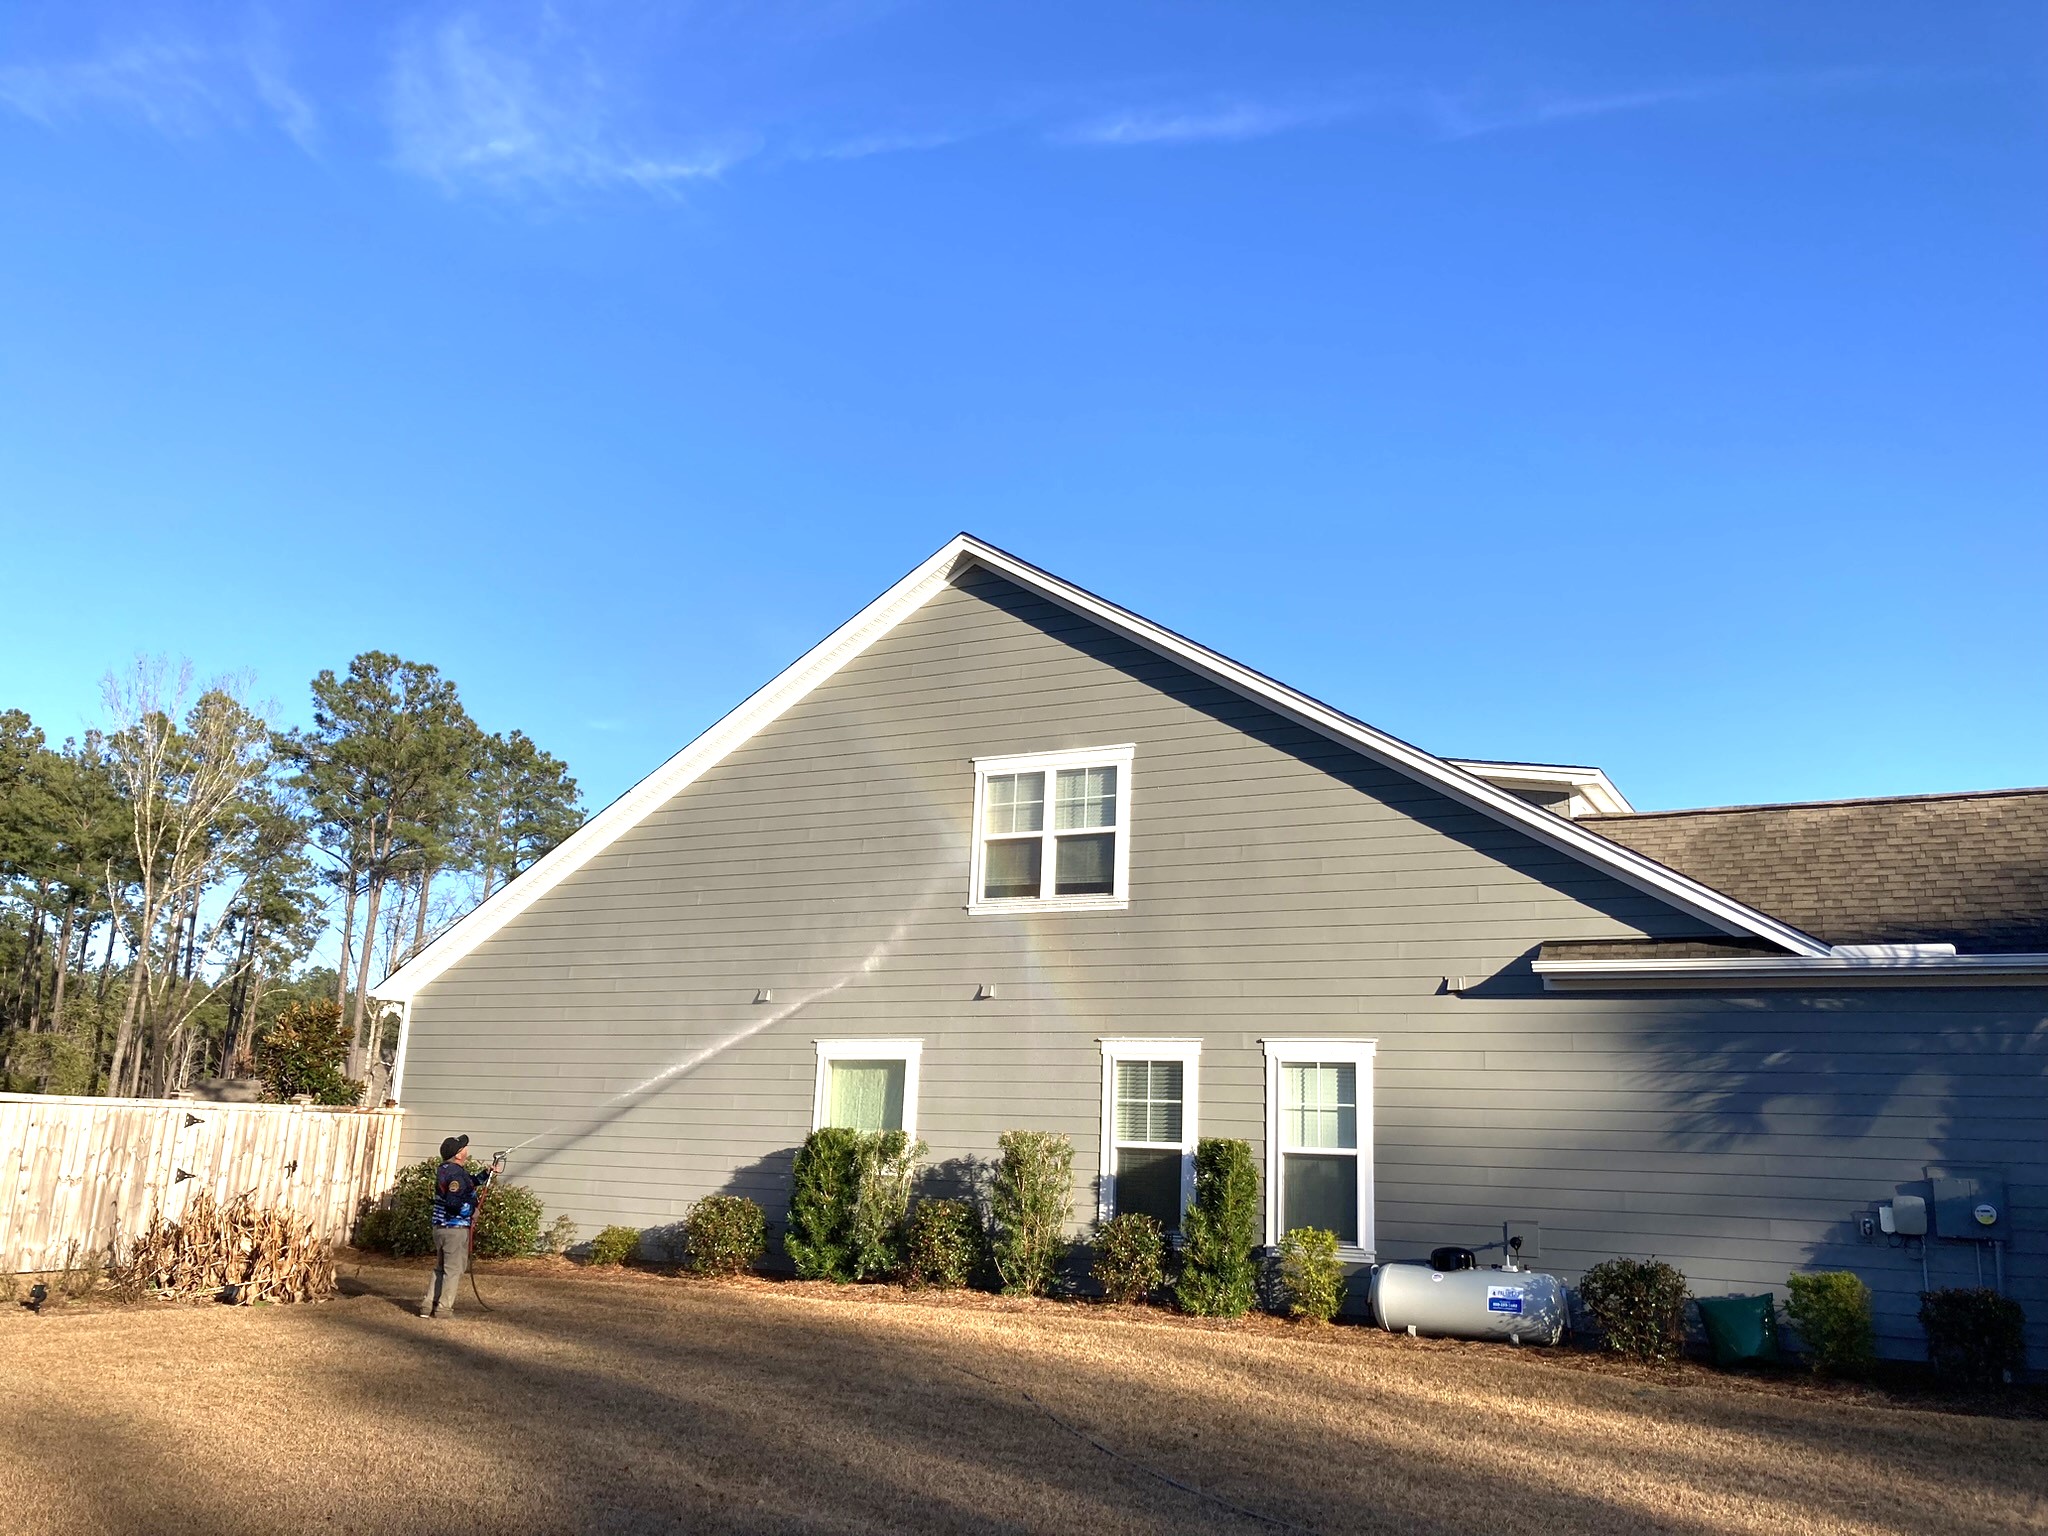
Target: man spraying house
456 1193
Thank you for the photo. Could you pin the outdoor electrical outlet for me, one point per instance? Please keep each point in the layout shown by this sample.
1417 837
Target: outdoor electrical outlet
1866 1226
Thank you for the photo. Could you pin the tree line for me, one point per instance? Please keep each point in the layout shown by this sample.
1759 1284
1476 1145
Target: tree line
166 876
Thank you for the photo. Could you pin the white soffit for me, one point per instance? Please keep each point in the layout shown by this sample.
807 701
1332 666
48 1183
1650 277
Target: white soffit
1590 784
912 593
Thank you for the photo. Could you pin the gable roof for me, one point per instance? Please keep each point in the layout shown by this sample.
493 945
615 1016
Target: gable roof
1718 910
1969 870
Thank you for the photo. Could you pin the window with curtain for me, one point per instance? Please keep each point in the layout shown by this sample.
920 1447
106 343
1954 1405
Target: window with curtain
1319 1172
1148 1145
1051 829
866 1095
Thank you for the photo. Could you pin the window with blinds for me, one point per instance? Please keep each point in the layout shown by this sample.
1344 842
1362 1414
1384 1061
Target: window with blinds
1051 829
1319 1153
1150 1137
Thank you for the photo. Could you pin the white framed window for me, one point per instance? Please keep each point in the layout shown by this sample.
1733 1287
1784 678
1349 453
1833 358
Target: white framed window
868 1085
1151 1105
1052 831
1319 1140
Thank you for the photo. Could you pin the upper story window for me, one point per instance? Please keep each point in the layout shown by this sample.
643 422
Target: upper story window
1052 830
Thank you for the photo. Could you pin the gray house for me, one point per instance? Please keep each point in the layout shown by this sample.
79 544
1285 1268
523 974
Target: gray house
998 853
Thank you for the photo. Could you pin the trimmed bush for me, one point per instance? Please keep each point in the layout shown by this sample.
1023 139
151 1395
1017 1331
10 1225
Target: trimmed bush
559 1238
1311 1278
1831 1310
887 1162
1031 1200
849 1192
614 1245
824 1182
1130 1257
943 1244
1974 1335
372 1231
508 1222
408 1227
1218 1276
725 1235
1639 1305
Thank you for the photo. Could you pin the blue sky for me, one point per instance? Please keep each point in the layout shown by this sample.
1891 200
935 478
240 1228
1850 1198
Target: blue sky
1658 386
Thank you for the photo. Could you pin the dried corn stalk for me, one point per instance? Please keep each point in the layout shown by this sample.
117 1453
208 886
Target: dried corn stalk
236 1252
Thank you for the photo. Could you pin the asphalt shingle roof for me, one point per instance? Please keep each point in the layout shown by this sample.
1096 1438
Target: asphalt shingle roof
1971 870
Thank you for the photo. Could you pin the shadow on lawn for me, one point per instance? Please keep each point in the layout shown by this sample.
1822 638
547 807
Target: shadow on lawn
634 1406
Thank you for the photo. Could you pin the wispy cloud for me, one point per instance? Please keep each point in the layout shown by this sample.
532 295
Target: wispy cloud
1471 114
176 86
470 111
1224 122
861 146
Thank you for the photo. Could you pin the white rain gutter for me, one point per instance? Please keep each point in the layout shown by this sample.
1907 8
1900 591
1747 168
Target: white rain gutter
1846 965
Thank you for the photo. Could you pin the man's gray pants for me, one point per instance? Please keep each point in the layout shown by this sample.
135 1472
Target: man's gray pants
451 1260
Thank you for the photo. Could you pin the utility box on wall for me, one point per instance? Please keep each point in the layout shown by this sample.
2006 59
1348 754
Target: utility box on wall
1970 1207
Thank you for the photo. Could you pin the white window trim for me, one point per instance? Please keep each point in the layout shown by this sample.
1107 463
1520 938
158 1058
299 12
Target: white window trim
909 1052
1360 1054
1189 1054
1049 763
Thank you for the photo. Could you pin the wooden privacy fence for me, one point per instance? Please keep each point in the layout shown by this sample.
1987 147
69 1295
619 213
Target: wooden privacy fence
83 1176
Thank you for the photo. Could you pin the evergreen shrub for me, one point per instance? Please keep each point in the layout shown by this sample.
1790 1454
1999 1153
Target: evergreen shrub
1129 1261
1831 1310
1218 1276
1311 1278
849 1194
887 1165
943 1244
614 1245
1974 1334
824 1182
725 1235
508 1222
1639 1305
1031 1201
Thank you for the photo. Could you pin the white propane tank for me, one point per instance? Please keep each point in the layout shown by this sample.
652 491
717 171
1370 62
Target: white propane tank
1520 1306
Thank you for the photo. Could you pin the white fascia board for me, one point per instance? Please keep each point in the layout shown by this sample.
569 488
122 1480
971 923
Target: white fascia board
912 593
1591 783
1832 970
681 770
1625 864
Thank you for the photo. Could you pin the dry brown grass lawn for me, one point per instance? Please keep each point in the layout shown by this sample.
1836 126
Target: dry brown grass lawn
637 1403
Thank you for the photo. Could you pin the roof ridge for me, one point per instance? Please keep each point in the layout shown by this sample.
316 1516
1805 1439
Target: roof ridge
1805 805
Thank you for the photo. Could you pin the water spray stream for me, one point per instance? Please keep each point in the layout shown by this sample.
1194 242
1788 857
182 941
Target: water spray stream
606 1110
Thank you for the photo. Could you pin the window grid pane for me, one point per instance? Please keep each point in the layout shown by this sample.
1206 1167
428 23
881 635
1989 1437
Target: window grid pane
1084 797
1319 1106
1016 803
1148 1101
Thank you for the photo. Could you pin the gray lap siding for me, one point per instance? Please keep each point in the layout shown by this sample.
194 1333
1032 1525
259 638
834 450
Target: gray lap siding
1280 886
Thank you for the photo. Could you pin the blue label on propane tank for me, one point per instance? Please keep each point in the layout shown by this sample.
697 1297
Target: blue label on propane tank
1503 1298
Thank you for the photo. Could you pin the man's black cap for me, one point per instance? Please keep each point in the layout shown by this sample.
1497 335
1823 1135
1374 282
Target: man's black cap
453 1145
